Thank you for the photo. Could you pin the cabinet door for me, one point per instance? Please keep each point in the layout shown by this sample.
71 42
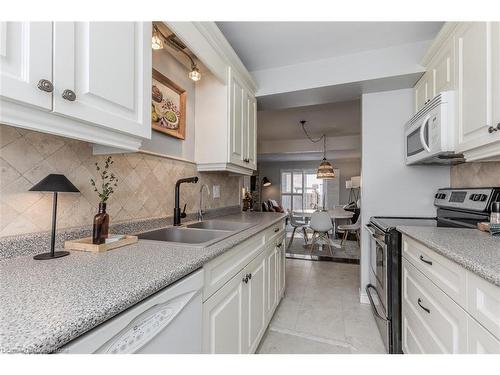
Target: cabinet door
252 132
419 94
432 322
272 280
107 65
255 303
281 268
423 90
25 59
443 68
474 78
495 38
223 318
236 152
480 341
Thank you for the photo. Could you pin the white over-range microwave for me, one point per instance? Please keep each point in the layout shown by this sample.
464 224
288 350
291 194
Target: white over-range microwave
430 133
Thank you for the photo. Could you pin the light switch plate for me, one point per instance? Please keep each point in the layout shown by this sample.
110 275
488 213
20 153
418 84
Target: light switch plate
216 191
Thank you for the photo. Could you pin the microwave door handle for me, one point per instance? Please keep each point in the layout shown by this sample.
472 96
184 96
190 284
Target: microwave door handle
425 124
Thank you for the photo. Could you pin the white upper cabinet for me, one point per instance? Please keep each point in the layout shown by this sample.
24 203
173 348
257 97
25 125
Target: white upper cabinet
26 62
243 124
236 122
473 44
424 90
83 80
252 132
226 108
465 57
104 66
443 67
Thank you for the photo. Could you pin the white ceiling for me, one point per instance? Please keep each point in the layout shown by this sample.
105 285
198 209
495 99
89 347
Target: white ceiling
264 45
333 119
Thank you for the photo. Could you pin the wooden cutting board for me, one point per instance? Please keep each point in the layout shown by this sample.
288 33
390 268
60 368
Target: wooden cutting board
85 244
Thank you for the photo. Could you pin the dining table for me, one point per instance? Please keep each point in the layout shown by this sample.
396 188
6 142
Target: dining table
335 214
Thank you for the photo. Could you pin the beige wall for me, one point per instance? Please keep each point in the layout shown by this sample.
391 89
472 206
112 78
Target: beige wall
348 168
476 175
162 143
145 187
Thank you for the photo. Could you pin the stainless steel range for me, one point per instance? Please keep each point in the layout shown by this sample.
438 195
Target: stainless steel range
459 208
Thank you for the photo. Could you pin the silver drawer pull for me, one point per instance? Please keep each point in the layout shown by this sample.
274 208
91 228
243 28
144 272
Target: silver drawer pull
45 85
69 95
419 301
425 260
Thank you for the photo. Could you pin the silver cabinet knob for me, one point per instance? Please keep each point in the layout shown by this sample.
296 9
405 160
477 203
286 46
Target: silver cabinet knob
69 95
45 85
491 129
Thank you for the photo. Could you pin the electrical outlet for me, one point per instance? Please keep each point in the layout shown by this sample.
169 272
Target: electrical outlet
216 191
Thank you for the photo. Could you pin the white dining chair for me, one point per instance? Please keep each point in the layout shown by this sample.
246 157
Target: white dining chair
297 222
350 228
321 224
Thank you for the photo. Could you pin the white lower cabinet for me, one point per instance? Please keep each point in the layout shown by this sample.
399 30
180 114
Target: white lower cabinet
254 302
446 308
432 322
480 340
236 316
223 318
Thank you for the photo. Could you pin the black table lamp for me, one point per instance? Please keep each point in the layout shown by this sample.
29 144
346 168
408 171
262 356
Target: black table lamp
56 183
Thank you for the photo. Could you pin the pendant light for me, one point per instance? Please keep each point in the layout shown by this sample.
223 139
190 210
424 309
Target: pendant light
157 42
325 169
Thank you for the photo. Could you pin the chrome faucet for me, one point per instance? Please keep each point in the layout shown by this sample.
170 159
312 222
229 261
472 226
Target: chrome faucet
200 211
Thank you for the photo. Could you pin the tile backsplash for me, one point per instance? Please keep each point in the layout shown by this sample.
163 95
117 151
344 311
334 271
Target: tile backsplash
486 174
145 187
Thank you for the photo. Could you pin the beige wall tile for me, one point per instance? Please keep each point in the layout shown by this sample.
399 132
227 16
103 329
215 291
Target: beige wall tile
485 174
145 183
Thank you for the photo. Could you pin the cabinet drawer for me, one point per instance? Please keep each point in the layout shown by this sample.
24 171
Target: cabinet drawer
219 270
275 231
483 303
447 275
432 322
480 341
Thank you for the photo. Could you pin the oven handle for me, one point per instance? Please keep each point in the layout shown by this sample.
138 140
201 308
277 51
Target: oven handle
425 123
374 309
374 236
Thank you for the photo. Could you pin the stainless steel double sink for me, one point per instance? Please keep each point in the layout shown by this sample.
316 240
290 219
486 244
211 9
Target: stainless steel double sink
200 234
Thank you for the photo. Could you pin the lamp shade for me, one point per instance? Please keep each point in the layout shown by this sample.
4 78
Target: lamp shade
57 183
325 170
266 182
356 181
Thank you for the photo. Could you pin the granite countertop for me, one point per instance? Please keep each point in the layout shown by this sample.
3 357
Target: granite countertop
46 304
477 251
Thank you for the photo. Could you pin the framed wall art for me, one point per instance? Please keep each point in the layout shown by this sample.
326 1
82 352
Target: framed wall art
168 106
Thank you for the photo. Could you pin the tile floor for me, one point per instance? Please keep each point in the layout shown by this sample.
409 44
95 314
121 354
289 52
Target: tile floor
321 313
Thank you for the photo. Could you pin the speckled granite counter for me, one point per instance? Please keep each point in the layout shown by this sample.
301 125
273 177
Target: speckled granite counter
45 304
477 251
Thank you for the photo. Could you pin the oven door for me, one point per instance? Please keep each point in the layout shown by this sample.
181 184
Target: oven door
376 290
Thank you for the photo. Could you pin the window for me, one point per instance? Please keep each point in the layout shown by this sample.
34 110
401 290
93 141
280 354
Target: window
301 190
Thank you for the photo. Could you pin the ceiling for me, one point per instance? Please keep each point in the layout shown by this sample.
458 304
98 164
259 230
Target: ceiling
264 45
333 119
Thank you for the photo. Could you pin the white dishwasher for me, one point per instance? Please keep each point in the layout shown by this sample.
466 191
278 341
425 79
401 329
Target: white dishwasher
169 321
